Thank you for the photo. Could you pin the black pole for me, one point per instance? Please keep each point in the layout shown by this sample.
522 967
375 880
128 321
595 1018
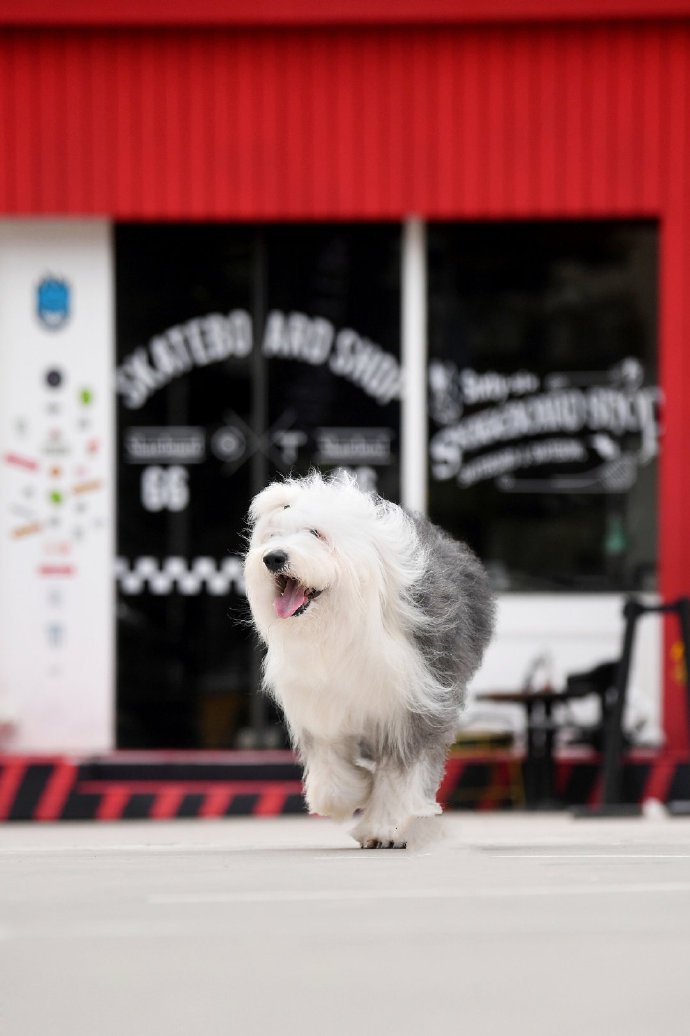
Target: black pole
259 461
613 740
683 608
681 807
611 802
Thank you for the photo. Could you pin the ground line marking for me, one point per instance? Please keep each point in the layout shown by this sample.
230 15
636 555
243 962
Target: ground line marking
354 895
589 856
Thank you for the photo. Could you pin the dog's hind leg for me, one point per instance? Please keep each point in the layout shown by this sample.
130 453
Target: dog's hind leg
334 785
400 795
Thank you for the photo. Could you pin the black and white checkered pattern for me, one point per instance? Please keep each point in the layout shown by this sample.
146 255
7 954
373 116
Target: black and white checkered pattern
176 575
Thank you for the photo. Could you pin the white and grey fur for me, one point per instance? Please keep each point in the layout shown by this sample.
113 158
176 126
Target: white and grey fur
371 670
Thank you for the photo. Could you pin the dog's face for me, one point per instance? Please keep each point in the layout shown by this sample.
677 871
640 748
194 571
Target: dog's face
292 563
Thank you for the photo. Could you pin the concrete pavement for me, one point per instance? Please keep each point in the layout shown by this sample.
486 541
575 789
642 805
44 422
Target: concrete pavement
524 924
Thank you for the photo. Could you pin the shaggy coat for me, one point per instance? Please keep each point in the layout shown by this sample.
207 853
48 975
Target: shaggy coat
374 621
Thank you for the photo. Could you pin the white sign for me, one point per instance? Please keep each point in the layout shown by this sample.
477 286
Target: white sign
56 485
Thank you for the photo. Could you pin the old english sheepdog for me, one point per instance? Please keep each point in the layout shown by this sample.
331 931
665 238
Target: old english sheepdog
374 620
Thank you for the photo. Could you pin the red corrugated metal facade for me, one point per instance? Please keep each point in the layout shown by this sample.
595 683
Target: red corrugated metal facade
244 124
465 121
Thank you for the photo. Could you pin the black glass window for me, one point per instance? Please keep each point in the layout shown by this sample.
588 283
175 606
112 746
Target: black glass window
543 399
244 353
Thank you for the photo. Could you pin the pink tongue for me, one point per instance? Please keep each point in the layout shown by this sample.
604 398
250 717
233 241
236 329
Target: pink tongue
292 598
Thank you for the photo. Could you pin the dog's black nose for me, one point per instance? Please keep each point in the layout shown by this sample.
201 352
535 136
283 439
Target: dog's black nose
275 561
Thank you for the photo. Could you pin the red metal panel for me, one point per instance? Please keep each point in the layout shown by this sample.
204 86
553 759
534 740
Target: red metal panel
675 361
480 122
336 12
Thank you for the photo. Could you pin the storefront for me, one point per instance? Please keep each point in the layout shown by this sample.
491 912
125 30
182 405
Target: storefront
445 249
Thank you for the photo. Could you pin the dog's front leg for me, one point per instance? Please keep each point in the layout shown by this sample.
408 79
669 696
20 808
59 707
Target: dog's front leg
401 793
334 785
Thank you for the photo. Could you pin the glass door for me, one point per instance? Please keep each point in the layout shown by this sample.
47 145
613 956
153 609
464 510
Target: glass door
244 353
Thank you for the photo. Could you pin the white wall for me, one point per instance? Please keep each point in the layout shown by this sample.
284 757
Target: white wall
56 489
575 632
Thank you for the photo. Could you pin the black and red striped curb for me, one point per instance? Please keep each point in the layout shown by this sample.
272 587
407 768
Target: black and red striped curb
497 780
40 788
162 787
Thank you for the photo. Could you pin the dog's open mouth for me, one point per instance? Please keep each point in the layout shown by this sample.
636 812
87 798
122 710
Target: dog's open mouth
294 598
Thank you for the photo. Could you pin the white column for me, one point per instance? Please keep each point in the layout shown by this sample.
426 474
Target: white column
413 417
56 485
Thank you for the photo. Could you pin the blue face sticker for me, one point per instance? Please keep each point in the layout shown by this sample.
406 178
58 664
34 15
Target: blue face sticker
53 300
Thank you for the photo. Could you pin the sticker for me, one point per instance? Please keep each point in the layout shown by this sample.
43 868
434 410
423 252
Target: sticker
56 634
88 487
53 302
26 530
56 570
20 462
23 512
59 547
56 449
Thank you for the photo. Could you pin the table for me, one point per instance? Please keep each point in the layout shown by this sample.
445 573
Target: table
539 762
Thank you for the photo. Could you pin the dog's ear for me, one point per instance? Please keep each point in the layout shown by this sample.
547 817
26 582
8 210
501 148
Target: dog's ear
273 497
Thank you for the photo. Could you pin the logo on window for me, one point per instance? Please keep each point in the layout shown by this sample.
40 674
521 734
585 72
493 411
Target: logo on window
53 301
562 432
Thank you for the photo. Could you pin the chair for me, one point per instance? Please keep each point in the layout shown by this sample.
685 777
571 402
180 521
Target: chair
493 774
614 702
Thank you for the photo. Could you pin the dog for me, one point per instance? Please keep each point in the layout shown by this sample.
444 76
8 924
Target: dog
374 620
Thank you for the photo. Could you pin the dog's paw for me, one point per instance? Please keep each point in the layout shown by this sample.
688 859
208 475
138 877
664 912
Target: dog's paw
334 809
372 835
337 797
377 843
337 807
